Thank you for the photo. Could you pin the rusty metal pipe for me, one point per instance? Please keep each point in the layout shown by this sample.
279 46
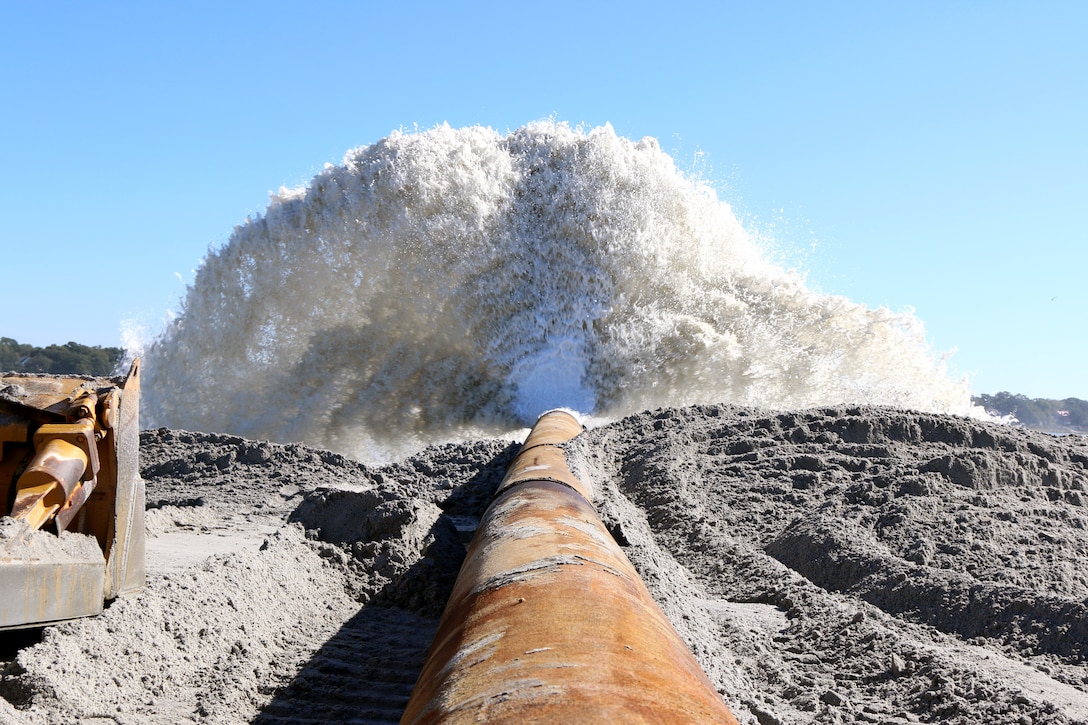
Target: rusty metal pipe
548 620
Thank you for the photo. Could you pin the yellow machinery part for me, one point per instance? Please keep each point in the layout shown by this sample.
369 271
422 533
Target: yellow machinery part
69 449
61 475
53 475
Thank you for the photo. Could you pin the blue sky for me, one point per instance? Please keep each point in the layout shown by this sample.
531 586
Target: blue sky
922 154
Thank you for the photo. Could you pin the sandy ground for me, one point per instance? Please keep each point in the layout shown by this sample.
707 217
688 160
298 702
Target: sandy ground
826 566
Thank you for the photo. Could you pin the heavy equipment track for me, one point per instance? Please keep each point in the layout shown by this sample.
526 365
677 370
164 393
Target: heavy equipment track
363 674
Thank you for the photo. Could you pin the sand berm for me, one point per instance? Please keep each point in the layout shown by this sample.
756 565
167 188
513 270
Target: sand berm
840 565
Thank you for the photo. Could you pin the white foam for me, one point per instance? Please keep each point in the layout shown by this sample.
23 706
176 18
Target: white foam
456 282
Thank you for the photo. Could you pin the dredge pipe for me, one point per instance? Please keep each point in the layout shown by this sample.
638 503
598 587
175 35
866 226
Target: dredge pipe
548 620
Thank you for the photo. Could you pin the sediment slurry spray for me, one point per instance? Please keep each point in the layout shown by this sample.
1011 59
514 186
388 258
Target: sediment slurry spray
454 283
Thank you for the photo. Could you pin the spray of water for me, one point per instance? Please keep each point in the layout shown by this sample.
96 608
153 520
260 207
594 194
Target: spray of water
457 282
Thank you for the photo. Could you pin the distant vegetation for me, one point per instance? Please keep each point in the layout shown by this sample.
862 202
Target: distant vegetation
1057 416
69 359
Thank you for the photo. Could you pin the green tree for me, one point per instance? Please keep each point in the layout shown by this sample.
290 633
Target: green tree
68 359
1039 413
12 354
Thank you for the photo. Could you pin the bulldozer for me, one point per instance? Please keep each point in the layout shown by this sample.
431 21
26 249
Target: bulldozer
72 533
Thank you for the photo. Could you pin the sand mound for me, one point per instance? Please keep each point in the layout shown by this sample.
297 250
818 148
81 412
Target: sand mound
842 565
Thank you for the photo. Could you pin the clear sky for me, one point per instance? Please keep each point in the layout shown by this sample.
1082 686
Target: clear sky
918 154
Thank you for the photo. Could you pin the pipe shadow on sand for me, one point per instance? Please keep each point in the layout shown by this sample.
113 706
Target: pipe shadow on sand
366 671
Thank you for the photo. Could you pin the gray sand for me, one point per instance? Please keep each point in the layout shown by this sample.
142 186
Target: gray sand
851 565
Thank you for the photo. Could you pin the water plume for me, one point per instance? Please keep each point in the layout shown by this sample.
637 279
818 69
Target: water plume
455 283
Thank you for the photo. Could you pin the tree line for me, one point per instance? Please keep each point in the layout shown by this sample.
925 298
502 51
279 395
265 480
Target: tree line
68 359
1038 413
